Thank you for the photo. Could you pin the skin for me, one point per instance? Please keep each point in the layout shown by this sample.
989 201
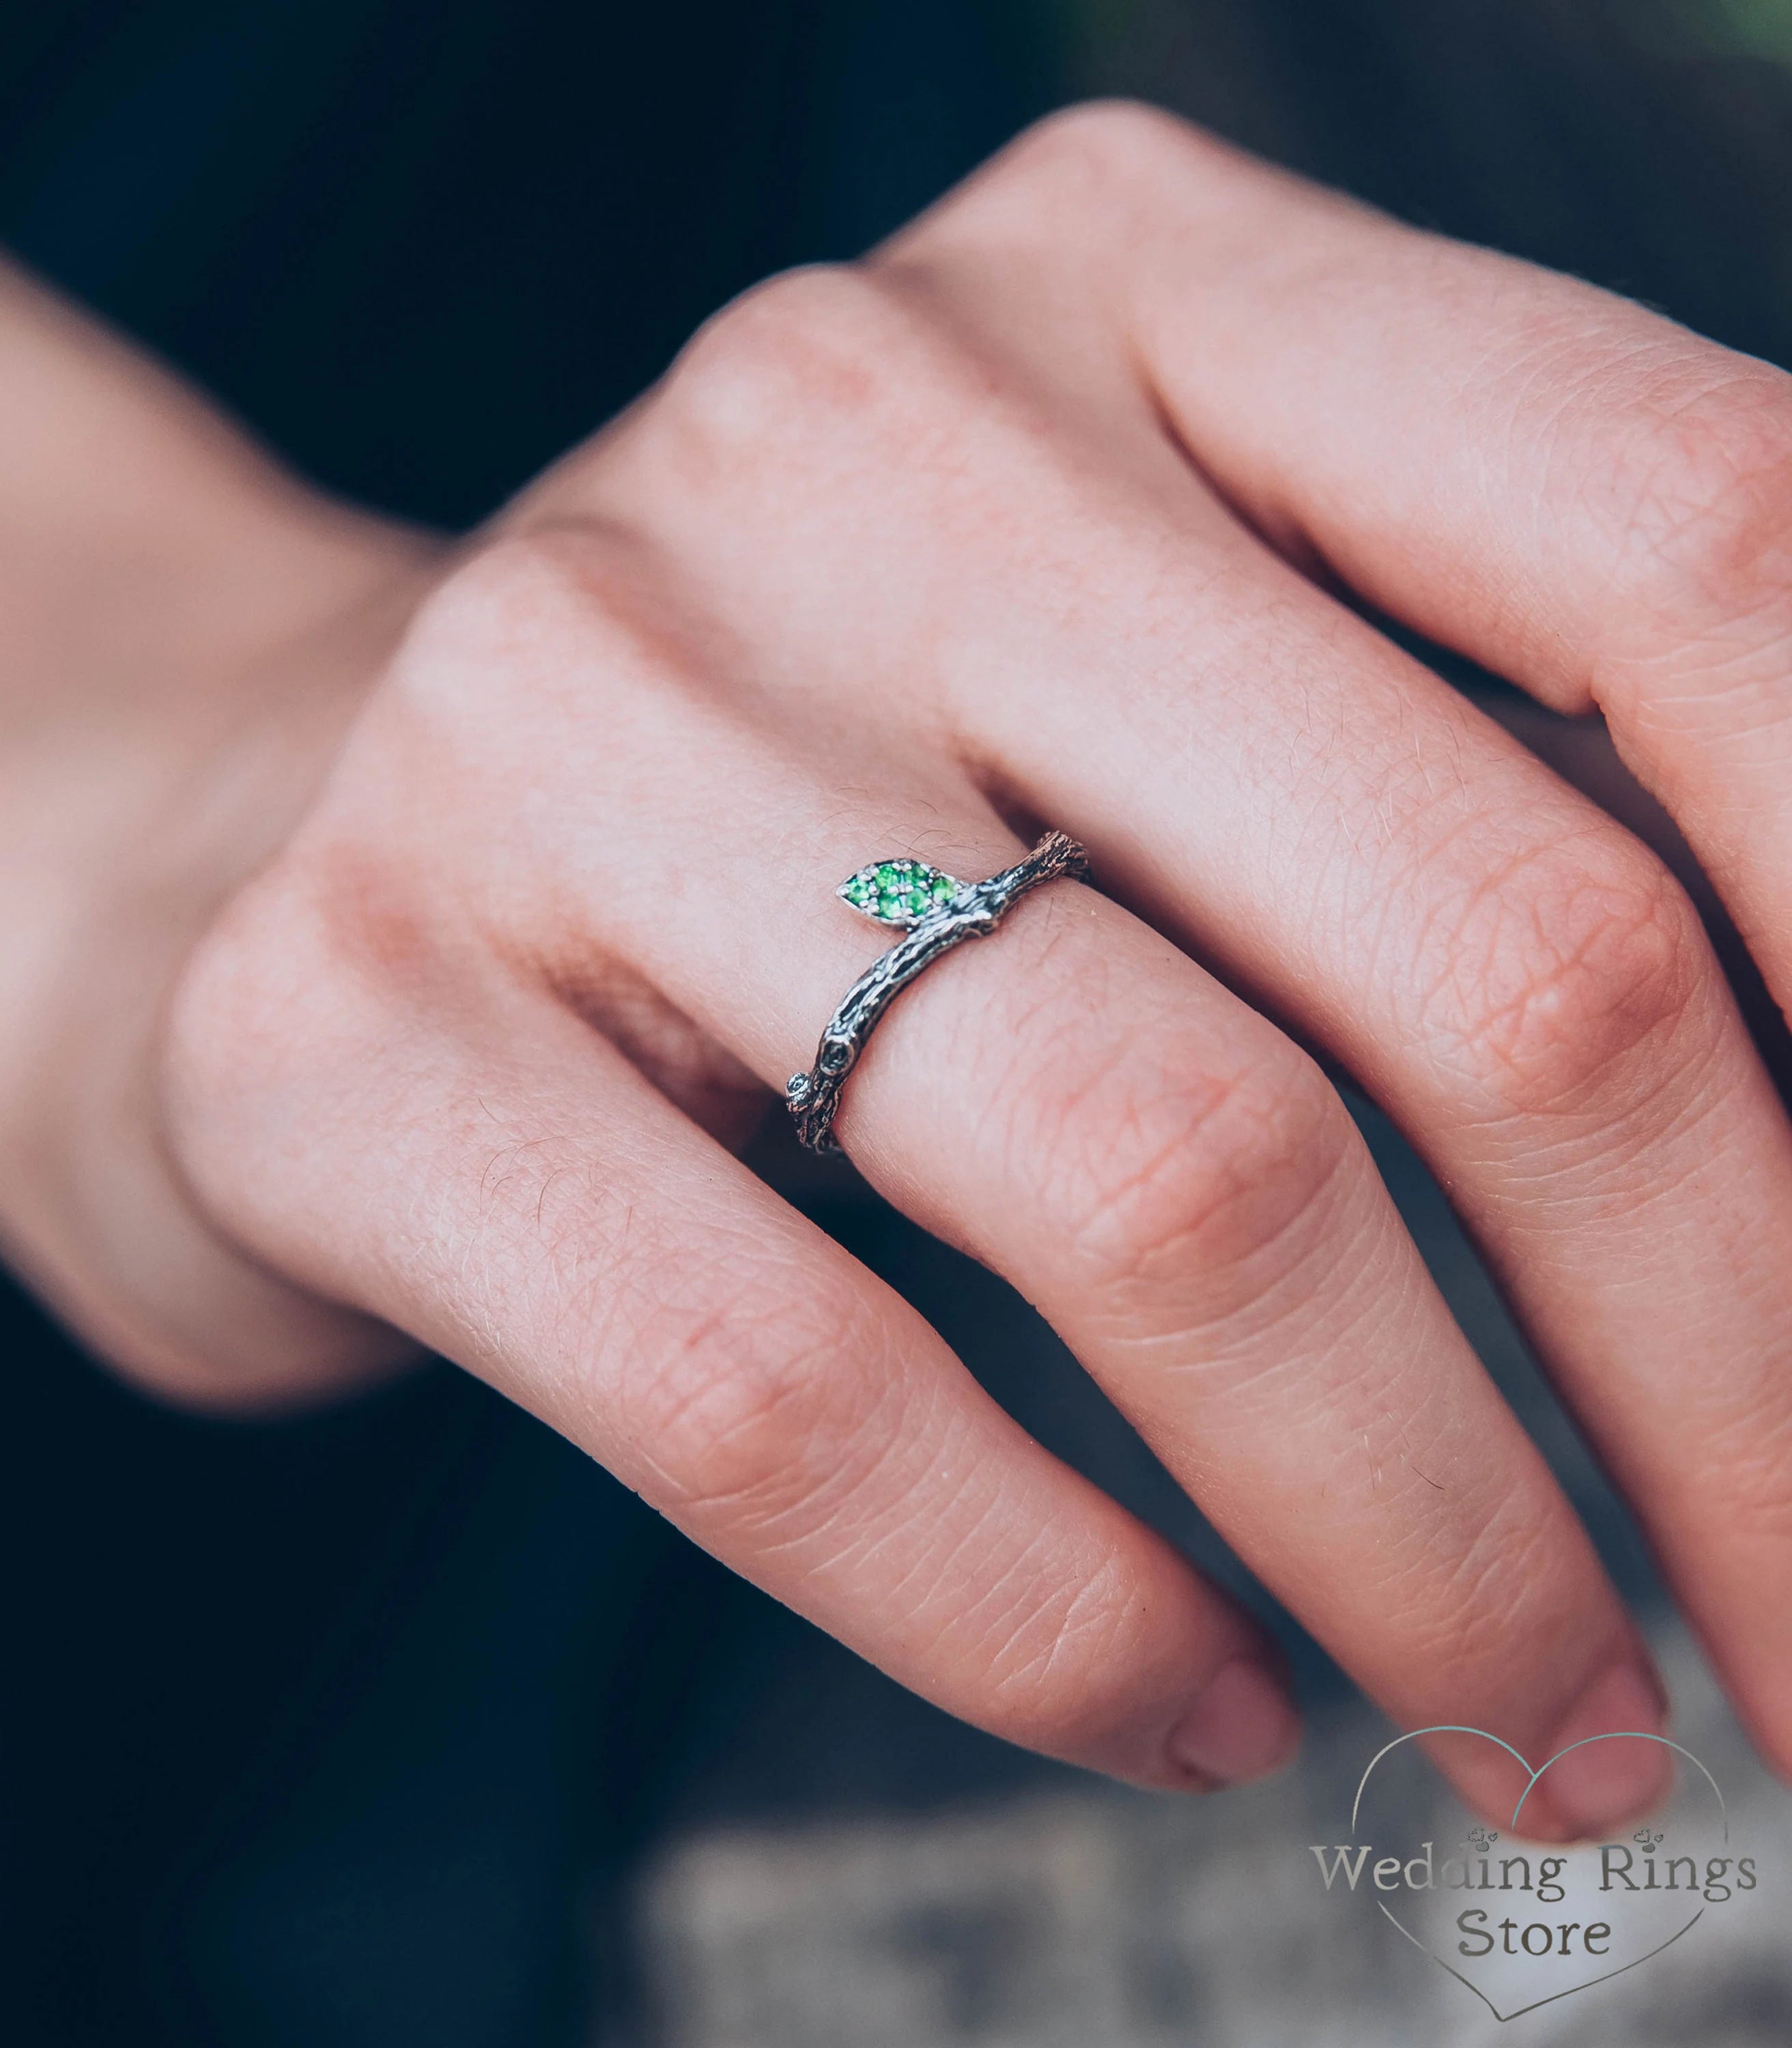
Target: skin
402 939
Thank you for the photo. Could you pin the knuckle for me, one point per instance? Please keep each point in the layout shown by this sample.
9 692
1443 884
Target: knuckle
748 1417
1705 488
294 968
1187 1172
1562 969
494 690
820 338
225 1012
1101 142
285 1004
523 586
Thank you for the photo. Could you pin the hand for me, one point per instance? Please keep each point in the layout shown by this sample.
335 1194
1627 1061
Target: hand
1040 515
186 635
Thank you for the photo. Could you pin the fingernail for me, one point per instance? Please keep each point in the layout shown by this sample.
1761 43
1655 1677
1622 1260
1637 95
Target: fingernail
1241 1727
1595 1787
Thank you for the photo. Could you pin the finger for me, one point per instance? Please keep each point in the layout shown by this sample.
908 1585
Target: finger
501 1184
1084 1109
1559 483
1520 983
1513 976
1585 497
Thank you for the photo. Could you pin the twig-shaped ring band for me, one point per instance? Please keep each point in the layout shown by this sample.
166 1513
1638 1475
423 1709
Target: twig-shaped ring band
937 913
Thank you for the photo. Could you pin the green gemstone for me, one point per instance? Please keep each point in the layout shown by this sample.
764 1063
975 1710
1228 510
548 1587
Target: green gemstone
899 892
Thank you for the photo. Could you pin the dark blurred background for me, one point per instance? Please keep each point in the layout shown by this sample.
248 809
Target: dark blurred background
352 1729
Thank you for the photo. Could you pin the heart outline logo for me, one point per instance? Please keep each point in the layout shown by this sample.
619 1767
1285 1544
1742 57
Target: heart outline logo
1524 1763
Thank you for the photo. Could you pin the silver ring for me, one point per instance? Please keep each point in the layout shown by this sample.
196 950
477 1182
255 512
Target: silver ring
938 912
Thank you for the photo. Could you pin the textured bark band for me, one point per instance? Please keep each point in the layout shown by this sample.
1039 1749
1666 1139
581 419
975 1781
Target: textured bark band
938 912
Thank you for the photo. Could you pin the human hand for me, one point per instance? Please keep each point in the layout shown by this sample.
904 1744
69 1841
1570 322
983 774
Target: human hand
1040 515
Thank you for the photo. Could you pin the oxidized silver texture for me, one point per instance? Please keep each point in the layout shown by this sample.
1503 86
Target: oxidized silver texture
973 913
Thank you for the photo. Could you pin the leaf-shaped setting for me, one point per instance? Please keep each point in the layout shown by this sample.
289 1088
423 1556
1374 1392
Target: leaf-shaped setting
899 893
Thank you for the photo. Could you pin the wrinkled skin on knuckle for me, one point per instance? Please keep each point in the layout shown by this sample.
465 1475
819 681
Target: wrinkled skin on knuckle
1162 1170
765 1449
1701 497
762 1425
1572 980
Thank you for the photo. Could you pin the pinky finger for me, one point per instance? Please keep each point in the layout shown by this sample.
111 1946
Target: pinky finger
525 1203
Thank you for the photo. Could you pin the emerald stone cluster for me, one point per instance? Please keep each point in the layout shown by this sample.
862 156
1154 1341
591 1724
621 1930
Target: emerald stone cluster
898 892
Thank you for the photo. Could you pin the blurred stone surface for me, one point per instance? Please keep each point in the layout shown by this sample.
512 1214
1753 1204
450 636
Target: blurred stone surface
1106 1919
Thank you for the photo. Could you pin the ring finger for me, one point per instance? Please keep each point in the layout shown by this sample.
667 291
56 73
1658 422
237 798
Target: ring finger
1085 1109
